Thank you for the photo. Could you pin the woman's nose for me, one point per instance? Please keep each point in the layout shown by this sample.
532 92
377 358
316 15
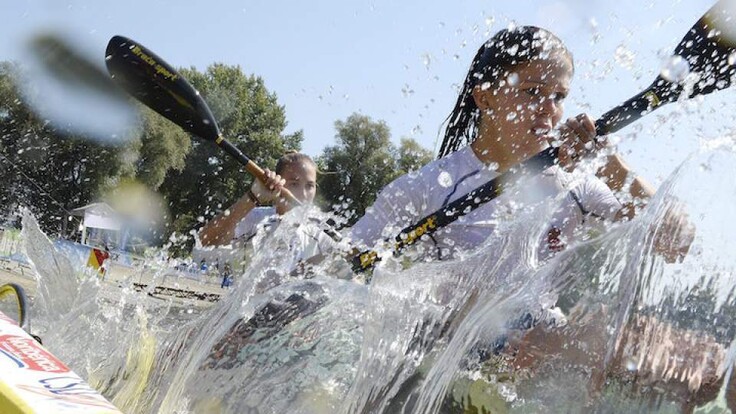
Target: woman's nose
301 193
548 106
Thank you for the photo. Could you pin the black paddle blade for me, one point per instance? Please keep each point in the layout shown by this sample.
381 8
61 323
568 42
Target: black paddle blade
157 85
65 63
709 48
707 51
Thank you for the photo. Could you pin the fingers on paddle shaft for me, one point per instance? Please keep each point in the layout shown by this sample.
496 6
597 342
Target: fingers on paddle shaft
253 168
260 175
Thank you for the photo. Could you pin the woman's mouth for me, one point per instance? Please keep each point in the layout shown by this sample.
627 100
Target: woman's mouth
542 132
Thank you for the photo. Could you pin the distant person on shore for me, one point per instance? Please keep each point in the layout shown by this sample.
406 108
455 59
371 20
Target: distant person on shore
227 276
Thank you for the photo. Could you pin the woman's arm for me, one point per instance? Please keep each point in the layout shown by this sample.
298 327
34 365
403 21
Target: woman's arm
221 229
615 174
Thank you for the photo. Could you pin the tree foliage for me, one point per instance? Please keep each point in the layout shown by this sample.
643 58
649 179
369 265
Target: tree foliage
412 156
48 170
52 171
362 162
163 147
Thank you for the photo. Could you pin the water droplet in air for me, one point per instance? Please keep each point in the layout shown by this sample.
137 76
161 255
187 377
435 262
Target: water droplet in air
631 364
511 116
624 57
513 78
426 60
676 69
444 179
407 91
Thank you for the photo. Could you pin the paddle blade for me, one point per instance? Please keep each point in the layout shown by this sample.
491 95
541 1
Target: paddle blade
703 62
157 85
709 50
66 86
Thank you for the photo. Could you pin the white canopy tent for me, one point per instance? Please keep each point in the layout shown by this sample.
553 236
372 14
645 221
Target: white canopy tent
98 216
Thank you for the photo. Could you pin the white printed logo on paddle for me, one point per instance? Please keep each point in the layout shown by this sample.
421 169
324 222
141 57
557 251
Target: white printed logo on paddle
28 354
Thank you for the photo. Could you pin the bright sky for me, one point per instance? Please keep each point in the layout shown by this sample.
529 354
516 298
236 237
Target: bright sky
399 61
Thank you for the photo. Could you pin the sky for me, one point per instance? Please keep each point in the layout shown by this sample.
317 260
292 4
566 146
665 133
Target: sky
400 62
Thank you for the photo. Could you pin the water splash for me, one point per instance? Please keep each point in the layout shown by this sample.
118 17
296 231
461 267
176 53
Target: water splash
640 333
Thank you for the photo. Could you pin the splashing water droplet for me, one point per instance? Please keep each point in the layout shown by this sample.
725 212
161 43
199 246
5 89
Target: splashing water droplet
624 57
407 91
511 116
513 79
676 69
444 179
427 60
732 58
631 364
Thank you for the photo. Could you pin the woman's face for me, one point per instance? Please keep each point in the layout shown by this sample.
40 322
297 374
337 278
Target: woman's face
301 180
524 107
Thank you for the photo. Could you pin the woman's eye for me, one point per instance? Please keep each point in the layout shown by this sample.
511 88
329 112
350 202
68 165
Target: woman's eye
558 97
533 91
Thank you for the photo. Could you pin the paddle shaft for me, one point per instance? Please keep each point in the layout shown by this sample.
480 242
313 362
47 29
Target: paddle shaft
253 168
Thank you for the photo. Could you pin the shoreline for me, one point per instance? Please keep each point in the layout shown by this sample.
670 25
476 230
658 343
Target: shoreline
182 288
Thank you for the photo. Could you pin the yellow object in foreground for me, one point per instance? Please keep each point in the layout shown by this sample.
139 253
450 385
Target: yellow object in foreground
32 380
13 302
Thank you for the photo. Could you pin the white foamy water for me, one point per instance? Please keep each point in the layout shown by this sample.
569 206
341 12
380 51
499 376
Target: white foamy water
638 334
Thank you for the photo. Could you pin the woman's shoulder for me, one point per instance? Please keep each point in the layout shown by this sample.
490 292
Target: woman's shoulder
429 173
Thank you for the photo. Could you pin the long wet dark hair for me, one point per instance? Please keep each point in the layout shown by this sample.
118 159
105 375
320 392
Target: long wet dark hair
505 50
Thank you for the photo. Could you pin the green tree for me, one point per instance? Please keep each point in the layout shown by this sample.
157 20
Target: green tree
163 147
52 171
412 156
251 118
45 169
362 162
